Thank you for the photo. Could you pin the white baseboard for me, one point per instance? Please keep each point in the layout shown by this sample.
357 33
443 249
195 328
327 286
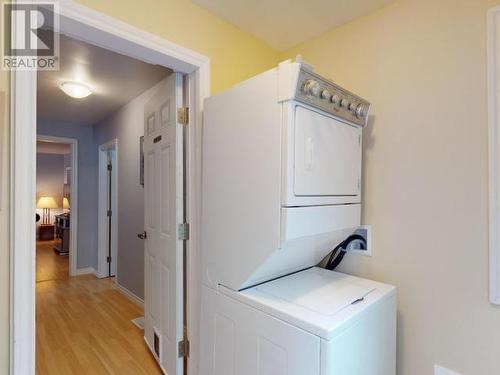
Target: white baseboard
85 271
131 296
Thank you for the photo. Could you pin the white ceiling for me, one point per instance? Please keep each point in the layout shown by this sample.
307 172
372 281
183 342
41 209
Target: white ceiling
286 23
114 78
44 147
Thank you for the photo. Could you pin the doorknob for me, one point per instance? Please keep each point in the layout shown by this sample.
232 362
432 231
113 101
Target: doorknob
142 235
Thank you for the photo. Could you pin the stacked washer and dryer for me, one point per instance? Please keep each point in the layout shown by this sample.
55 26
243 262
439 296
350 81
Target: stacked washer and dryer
281 188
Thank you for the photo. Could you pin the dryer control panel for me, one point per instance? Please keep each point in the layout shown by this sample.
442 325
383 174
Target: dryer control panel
318 92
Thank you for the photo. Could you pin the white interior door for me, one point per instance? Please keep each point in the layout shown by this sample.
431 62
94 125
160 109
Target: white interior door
163 184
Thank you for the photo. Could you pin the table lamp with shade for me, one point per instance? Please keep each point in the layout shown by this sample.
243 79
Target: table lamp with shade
66 205
46 203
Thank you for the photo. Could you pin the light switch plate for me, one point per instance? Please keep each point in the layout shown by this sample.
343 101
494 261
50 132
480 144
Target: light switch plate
438 370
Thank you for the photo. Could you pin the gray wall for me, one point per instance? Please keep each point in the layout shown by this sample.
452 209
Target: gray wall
50 176
87 185
126 125
49 181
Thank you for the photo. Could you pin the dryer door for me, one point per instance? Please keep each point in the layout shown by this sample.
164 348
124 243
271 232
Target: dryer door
327 155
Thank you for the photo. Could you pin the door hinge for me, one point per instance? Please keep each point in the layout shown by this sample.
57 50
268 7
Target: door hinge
183 348
183 115
109 213
108 259
183 231
110 167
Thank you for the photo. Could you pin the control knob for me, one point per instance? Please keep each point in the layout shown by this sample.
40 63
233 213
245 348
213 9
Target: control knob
311 87
325 94
335 99
344 103
361 111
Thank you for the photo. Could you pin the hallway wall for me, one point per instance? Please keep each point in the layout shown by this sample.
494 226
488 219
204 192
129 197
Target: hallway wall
50 181
126 125
50 176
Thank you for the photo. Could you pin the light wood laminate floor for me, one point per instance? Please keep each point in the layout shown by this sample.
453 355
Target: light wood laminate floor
83 325
49 264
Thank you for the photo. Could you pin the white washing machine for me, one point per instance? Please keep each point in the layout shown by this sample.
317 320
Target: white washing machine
314 322
281 187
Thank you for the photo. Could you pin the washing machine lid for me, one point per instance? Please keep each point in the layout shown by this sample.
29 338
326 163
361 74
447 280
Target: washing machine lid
317 291
320 301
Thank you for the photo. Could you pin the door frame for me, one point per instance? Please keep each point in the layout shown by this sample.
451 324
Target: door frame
493 49
73 233
86 24
102 217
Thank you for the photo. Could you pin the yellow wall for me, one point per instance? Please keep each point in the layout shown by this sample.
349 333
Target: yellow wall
234 54
422 64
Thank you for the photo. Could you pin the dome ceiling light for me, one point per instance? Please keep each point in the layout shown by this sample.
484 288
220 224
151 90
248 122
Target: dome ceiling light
75 89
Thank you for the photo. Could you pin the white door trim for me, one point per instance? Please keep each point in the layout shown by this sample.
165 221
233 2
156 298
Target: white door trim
96 28
102 218
494 151
73 237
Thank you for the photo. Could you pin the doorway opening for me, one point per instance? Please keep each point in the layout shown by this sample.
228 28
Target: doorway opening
108 114
56 189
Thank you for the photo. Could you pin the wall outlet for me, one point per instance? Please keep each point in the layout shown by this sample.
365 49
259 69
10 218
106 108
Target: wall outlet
366 232
438 370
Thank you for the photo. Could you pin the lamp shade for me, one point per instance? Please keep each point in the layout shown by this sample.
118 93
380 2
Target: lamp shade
46 202
66 203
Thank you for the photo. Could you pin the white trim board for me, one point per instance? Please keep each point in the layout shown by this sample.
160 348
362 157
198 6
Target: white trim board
102 217
85 271
130 295
73 234
494 151
88 25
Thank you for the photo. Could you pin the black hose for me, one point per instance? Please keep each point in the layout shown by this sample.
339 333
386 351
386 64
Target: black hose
341 250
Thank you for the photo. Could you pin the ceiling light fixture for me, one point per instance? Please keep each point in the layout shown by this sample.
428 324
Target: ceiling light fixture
75 89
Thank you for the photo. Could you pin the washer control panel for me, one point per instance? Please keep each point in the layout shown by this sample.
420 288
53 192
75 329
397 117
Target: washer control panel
314 90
